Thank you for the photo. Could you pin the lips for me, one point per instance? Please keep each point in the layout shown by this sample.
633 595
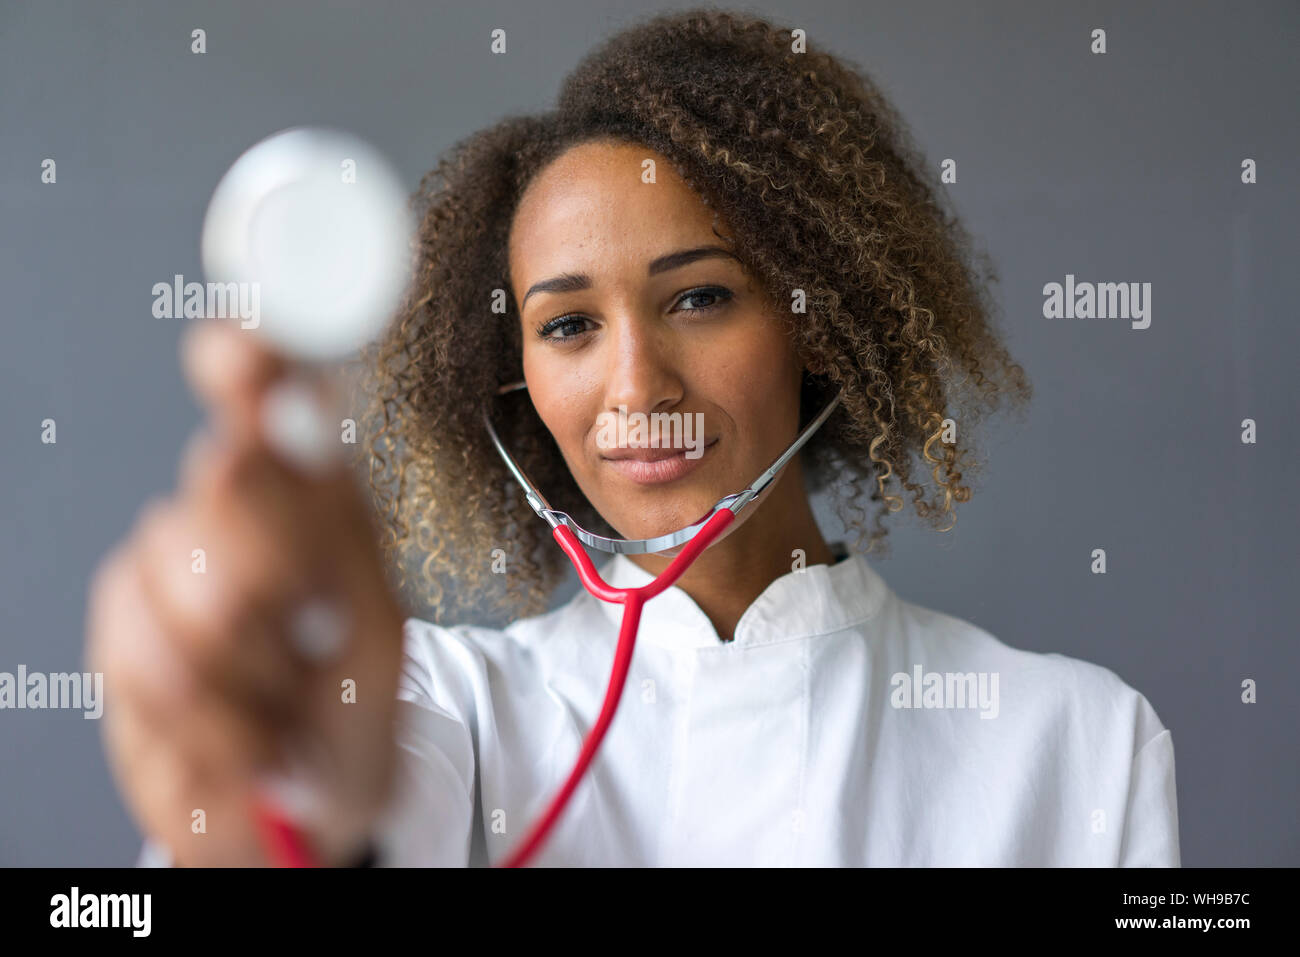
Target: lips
654 466
646 455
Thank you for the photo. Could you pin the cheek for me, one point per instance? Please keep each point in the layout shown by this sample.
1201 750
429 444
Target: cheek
763 399
760 371
561 404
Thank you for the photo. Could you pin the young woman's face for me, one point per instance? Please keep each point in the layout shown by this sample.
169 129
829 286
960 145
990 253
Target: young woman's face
622 314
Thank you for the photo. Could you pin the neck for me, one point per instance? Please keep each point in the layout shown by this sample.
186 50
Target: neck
726 579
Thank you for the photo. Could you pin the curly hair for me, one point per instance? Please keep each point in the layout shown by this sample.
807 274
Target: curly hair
800 154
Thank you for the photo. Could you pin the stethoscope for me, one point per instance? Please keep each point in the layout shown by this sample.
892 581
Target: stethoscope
329 255
571 536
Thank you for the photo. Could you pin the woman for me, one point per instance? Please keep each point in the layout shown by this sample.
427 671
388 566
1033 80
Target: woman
711 222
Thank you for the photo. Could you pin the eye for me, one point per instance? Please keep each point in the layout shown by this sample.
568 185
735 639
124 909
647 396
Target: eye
706 292
571 322
572 325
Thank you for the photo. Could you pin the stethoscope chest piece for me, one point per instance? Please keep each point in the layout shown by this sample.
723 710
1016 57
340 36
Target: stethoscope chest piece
316 222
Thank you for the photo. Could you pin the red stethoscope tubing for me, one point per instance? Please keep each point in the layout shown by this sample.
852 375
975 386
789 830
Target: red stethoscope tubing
285 844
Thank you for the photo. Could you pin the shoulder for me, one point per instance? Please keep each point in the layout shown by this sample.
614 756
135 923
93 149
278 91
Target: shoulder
1049 694
523 637
1082 765
466 659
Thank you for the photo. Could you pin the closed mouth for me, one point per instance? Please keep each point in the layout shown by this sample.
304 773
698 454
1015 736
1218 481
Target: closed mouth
649 454
655 466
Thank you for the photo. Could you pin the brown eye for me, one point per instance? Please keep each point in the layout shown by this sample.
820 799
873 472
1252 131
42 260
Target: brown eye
573 323
706 292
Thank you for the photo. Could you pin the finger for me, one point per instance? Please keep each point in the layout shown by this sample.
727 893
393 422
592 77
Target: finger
297 420
228 369
123 643
251 493
210 744
156 704
221 593
182 799
270 511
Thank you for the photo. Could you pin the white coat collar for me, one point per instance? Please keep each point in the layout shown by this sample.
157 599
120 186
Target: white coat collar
817 600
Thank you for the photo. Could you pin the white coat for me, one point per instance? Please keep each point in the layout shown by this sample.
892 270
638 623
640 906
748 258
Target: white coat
843 726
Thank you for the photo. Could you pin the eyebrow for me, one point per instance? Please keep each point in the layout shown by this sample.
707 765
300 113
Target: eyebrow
572 282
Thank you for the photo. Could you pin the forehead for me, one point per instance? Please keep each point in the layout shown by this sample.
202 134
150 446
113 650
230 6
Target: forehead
591 204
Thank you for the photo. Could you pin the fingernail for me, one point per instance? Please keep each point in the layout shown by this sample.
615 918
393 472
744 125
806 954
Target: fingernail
293 786
298 427
318 629
291 795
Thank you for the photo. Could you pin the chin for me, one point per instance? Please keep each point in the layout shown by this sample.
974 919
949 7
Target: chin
663 519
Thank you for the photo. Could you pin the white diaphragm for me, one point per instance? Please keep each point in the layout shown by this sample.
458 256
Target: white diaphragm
318 220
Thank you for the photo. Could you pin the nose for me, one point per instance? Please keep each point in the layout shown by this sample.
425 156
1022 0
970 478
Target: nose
642 374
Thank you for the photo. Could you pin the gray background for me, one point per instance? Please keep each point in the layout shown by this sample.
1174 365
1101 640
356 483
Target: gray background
1122 167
